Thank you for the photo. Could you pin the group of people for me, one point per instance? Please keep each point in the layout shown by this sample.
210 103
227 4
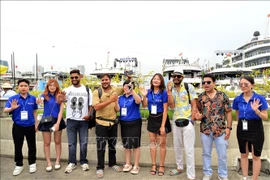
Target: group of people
212 108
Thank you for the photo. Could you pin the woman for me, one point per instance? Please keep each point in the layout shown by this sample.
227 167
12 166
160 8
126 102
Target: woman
131 124
52 108
251 109
156 99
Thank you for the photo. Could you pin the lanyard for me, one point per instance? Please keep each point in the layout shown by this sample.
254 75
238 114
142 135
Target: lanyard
24 103
125 102
153 96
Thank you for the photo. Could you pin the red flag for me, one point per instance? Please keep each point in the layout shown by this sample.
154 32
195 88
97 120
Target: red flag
16 66
180 54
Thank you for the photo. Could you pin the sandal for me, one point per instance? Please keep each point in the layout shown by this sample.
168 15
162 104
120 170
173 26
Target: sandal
153 172
161 173
127 168
116 168
99 173
174 172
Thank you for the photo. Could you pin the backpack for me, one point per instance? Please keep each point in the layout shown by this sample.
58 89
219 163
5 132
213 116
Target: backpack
186 87
92 120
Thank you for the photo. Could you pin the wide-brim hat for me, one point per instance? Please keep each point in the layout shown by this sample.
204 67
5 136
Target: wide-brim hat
6 85
178 72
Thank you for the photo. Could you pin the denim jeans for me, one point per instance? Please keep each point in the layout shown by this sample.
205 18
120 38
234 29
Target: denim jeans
221 148
74 126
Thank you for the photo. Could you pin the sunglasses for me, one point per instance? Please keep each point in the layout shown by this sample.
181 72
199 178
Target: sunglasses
178 76
243 84
75 77
206 82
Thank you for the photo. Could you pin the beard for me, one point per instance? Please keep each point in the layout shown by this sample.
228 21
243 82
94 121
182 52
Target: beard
178 82
75 83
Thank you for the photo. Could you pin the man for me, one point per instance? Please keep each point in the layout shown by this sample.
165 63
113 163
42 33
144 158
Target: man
184 104
77 114
214 109
106 129
23 108
8 92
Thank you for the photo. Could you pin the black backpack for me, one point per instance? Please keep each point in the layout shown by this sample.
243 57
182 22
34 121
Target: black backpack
92 120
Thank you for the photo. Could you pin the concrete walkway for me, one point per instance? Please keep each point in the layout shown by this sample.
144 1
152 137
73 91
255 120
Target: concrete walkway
7 166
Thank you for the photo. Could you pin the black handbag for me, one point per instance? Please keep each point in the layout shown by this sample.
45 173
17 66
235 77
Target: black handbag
182 122
47 119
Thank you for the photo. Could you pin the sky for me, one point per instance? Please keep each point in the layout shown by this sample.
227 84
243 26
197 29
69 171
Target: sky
65 34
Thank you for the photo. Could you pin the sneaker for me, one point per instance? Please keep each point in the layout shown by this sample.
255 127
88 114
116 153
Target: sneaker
206 177
220 178
127 168
135 170
57 166
70 168
245 178
49 168
85 167
32 168
17 170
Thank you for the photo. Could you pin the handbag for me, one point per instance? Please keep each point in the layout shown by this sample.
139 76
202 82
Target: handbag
181 122
47 119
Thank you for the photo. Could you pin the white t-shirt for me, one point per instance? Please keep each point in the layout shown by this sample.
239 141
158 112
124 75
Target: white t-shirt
77 99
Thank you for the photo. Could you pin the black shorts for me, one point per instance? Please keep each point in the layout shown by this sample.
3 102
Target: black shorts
131 133
46 126
254 136
154 123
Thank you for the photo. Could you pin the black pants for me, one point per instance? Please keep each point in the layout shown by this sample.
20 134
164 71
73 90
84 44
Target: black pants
18 133
103 134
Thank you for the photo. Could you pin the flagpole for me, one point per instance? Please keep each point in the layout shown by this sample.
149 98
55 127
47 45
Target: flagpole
13 69
36 67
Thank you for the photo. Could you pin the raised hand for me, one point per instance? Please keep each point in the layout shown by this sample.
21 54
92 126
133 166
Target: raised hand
143 91
255 104
169 86
39 100
14 104
61 97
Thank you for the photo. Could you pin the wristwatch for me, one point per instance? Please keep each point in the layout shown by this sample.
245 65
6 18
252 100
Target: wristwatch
230 128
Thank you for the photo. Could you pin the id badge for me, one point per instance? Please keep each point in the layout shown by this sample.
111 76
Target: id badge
154 109
24 115
245 125
124 111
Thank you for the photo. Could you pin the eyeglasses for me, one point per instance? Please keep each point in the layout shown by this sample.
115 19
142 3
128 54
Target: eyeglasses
178 76
206 82
75 77
243 84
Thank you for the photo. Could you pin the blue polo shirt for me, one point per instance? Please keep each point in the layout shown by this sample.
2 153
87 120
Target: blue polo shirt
51 107
244 108
158 99
133 109
26 104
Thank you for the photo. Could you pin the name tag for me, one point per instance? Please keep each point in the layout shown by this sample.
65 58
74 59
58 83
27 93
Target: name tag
154 109
245 125
24 115
124 111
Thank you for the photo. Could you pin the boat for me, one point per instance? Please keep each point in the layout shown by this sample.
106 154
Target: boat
192 71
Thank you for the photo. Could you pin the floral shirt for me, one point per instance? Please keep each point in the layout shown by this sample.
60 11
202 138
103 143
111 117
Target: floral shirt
214 113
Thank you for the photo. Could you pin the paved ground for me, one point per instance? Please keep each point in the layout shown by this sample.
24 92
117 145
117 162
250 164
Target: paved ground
7 166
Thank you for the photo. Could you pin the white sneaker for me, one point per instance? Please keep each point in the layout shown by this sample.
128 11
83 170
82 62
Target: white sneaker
85 167
70 168
127 168
245 178
220 178
17 170
206 177
32 168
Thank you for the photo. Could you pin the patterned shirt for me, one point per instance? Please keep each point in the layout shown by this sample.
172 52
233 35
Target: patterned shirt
182 108
213 111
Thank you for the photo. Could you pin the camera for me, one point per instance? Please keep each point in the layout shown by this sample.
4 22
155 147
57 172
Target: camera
130 87
52 129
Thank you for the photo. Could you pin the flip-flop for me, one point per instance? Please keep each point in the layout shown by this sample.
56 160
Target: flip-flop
116 168
99 173
174 172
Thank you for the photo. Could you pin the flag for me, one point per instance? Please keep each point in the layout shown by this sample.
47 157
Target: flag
16 66
51 67
180 54
108 52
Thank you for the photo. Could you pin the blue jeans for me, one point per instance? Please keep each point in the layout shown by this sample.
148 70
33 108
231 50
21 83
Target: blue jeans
221 148
73 127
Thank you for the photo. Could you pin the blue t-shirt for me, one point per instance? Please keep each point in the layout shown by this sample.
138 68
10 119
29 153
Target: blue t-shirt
133 109
157 99
26 104
51 107
244 108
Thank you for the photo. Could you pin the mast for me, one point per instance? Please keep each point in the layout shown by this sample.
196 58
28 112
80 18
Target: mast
267 30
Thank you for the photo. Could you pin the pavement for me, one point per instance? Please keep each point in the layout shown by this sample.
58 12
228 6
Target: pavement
7 166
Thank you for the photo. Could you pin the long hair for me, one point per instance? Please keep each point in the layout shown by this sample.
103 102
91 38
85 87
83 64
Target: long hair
162 83
46 91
